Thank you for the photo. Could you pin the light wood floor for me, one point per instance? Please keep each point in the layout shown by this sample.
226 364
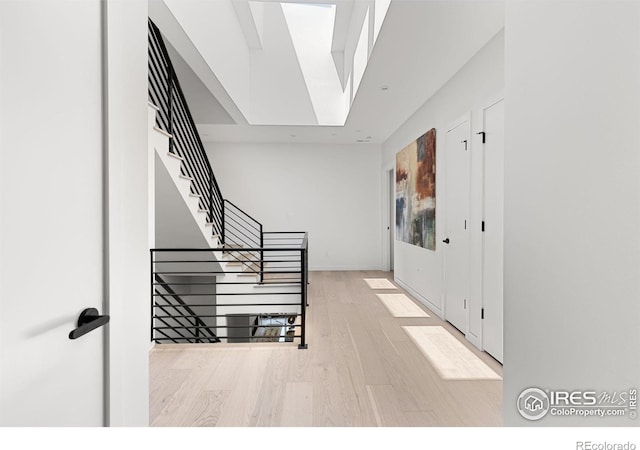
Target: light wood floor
361 369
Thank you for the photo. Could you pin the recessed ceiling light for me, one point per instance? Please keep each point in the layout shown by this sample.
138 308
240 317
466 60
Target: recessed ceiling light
384 87
292 135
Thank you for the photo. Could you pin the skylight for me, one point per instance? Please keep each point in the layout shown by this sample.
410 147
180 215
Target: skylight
311 30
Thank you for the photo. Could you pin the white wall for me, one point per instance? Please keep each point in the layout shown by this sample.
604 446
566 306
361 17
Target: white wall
572 201
331 191
206 22
128 221
418 269
278 91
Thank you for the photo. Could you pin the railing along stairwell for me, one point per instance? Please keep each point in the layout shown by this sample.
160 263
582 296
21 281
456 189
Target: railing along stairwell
257 280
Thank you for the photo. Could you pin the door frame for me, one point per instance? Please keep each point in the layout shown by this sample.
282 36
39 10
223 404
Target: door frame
126 214
466 117
387 221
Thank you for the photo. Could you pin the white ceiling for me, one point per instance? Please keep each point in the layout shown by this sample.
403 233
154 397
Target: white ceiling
421 45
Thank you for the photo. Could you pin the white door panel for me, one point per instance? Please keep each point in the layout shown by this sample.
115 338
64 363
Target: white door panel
51 187
492 290
456 231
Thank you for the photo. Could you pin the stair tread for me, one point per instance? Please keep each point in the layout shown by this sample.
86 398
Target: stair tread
173 155
161 131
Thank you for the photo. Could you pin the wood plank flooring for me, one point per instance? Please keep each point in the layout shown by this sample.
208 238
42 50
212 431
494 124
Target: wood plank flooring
361 369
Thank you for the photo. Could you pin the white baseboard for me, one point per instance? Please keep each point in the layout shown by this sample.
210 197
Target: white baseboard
421 298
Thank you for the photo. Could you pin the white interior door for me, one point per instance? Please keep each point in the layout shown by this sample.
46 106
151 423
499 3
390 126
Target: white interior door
492 276
456 241
392 218
51 186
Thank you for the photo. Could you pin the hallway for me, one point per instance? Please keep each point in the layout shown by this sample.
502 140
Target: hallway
361 369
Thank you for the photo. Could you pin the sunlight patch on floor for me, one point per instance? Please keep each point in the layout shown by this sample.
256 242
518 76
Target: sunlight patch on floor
399 305
448 356
379 283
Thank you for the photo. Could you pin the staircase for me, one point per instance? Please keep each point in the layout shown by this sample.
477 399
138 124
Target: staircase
243 284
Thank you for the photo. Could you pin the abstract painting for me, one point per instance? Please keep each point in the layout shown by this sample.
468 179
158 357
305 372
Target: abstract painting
416 192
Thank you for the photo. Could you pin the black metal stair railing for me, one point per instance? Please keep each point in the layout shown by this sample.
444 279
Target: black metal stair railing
274 260
243 231
175 118
282 294
176 321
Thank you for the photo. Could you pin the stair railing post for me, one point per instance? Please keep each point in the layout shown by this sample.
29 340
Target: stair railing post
151 252
211 215
223 214
261 255
303 298
170 106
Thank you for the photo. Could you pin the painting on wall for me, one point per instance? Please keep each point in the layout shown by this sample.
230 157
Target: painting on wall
416 192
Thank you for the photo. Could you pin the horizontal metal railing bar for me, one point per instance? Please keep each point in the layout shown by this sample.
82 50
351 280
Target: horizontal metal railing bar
240 283
248 283
228 326
285 232
272 270
291 245
281 315
283 280
282 239
257 272
233 293
189 340
235 304
236 337
210 261
258 293
216 260
167 338
222 249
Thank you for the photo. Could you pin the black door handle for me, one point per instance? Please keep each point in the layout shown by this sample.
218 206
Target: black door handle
446 240
89 320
